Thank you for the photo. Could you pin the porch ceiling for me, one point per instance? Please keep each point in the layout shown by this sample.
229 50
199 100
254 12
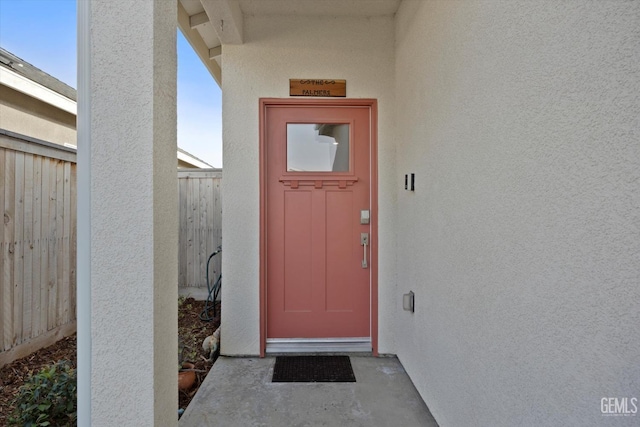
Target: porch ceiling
320 7
208 24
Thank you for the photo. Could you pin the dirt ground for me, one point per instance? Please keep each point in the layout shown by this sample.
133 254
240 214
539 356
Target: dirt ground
12 376
192 332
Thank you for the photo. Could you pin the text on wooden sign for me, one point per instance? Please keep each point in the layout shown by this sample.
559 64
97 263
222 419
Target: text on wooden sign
317 87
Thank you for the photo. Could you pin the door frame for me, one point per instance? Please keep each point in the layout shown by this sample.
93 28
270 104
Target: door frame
372 104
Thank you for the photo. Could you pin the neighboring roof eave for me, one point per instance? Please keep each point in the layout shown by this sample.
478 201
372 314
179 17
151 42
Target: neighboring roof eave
187 157
17 65
23 77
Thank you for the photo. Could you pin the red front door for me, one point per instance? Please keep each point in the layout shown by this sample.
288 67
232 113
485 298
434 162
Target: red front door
317 202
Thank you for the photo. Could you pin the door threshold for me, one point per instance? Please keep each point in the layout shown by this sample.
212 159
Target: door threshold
318 345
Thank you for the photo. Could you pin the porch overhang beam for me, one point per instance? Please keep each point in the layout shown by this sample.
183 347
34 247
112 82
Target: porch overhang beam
198 19
215 52
226 18
198 44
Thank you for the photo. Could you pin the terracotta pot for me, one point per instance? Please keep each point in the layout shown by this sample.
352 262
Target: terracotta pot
186 378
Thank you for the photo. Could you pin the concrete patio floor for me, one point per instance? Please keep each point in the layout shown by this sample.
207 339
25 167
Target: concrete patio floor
239 392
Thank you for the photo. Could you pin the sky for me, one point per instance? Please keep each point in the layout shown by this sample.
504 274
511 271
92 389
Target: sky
43 33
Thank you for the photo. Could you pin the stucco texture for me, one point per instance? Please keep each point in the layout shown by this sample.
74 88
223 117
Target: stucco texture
23 114
134 216
521 121
276 49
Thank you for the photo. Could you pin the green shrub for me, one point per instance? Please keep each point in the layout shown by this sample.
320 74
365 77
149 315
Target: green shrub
48 398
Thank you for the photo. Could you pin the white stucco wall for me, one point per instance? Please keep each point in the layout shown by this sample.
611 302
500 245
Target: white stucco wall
521 242
275 49
127 215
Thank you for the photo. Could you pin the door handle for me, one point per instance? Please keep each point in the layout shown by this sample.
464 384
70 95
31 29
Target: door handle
364 241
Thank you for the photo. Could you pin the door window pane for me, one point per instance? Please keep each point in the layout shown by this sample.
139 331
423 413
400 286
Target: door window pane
317 147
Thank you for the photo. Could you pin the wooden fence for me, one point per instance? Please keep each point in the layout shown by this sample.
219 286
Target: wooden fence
38 244
200 228
38 240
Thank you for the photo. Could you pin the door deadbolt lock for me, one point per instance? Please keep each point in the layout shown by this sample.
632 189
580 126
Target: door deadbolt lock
365 216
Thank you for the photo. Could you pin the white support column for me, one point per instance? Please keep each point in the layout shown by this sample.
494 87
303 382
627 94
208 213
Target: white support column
127 213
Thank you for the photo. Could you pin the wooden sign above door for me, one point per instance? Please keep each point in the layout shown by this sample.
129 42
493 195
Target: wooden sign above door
317 87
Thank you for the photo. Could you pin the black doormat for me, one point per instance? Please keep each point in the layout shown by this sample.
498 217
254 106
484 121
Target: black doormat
313 369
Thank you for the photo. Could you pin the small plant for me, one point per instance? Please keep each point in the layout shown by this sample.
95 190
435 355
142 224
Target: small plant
47 398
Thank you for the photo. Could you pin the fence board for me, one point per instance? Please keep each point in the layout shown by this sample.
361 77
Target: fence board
52 280
9 246
203 246
27 254
18 288
37 230
195 246
59 242
73 243
182 235
208 219
217 223
44 247
66 247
